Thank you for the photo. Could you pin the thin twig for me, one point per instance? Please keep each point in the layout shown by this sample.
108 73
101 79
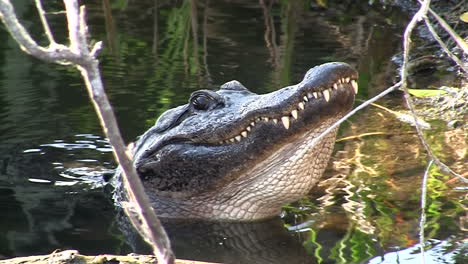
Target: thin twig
355 110
443 46
371 134
406 42
56 54
44 22
460 42
404 85
422 221
74 26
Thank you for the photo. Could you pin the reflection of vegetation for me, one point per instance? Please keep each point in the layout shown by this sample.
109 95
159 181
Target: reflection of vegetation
155 80
289 28
282 54
378 199
354 247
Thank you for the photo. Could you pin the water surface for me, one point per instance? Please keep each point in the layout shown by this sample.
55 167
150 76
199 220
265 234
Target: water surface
53 156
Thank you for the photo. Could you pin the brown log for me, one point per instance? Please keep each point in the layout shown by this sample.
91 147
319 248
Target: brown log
74 257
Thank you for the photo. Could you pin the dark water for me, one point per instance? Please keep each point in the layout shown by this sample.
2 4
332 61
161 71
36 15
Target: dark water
53 154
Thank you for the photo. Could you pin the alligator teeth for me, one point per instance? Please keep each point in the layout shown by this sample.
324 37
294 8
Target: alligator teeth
285 120
294 113
301 105
326 95
355 86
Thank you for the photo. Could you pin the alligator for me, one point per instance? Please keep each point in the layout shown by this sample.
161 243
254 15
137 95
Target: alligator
232 154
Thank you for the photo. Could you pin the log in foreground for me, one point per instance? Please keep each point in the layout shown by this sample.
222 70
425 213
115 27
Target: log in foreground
74 257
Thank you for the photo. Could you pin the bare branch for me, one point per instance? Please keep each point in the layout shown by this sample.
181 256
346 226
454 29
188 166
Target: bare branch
78 55
404 85
58 53
44 22
443 46
83 31
460 42
71 7
96 49
452 33
406 44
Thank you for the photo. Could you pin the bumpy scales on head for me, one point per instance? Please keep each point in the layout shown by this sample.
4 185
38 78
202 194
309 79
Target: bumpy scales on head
233 154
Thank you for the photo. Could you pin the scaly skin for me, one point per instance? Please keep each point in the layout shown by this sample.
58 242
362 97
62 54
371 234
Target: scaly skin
234 155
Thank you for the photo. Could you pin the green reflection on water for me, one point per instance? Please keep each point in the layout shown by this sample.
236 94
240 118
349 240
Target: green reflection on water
375 185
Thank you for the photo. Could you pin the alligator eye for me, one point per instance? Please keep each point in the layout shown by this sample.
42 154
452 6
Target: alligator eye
201 102
205 100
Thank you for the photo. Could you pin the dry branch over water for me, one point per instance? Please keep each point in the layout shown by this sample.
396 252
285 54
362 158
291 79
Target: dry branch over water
78 55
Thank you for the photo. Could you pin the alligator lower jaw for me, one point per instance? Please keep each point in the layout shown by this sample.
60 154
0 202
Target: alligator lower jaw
260 192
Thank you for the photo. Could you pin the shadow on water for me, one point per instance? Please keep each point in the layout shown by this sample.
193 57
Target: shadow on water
366 210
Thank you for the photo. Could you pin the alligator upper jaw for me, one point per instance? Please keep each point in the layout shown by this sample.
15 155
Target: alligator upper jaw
298 111
325 90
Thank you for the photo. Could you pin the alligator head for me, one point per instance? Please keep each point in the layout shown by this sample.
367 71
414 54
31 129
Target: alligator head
233 154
